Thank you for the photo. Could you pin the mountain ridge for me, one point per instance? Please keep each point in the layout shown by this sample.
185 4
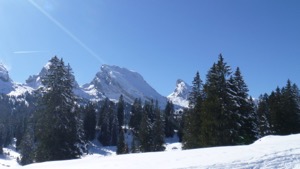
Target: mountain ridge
110 81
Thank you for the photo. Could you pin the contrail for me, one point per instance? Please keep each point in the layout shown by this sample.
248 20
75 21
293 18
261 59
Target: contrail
28 51
75 38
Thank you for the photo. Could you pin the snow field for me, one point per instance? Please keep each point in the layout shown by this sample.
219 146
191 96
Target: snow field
267 153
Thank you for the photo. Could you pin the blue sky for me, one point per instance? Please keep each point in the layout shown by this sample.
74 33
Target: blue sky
161 39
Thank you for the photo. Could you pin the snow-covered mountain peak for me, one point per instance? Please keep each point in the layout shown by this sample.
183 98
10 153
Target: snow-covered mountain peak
181 88
113 71
112 81
7 86
180 94
4 76
35 81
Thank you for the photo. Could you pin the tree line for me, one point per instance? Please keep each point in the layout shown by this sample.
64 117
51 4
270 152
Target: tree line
222 113
54 124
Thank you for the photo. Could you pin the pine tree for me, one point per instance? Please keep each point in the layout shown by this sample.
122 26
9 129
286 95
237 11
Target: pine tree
217 106
57 130
275 106
120 111
192 117
114 128
196 91
121 146
136 116
169 119
145 134
158 133
250 128
290 109
108 124
27 146
242 117
1 139
263 113
89 122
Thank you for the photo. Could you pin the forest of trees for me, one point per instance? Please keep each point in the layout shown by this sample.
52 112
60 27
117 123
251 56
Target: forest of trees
221 112
54 124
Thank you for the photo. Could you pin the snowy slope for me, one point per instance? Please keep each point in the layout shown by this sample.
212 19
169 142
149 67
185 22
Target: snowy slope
181 93
112 81
267 153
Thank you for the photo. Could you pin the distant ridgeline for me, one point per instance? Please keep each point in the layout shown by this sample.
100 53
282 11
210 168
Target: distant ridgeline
53 118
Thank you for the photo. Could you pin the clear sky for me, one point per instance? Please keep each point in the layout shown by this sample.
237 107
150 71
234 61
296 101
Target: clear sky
161 39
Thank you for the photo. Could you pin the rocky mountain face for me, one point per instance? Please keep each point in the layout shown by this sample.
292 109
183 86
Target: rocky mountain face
181 93
7 86
112 81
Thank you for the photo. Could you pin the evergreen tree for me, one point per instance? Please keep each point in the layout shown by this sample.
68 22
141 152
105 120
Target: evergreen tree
192 117
290 109
250 128
27 146
169 119
121 146
1 139
114 128
242 116
57 129
263 113
196 91
276 115
108 124
134 145
158 133
217 107
145 132
120 111
89 123
136 116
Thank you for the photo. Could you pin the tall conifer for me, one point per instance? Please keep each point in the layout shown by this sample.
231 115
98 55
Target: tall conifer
192 117
57 121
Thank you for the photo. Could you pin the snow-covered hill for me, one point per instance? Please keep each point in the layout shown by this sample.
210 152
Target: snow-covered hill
112 81
270 152
181 93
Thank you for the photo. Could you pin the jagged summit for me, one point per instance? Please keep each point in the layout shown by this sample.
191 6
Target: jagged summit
180 94
7 86
112 81
4 76
35 81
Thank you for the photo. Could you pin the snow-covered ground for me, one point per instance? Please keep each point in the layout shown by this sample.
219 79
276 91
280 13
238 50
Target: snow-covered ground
268 152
